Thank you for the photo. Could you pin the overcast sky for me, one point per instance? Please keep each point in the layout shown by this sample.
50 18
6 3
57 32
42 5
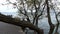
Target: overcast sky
7 9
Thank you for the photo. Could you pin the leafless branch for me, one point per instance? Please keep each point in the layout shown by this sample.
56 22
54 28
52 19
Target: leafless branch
41 12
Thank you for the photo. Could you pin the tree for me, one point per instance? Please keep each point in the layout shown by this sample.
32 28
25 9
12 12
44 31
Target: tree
57 13
35 8
49 19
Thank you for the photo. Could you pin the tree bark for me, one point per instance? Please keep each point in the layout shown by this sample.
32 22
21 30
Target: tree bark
49 19
20 23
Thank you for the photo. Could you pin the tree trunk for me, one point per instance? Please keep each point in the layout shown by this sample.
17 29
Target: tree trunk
49 19
20 23
51 29
36 25
56 31
37 21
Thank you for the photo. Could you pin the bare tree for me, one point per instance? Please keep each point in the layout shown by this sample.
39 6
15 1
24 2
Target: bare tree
31 6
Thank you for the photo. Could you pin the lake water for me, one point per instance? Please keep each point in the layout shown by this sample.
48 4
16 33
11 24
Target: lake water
9 29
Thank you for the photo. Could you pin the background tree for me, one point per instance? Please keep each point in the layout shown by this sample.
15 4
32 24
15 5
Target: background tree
31 10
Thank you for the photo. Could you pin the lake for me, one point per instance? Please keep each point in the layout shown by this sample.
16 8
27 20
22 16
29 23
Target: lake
9 29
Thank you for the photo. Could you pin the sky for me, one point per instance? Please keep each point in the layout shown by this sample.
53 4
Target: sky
8 9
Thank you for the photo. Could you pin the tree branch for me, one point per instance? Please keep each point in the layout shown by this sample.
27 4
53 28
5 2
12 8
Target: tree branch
41 12
13 21
57 25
